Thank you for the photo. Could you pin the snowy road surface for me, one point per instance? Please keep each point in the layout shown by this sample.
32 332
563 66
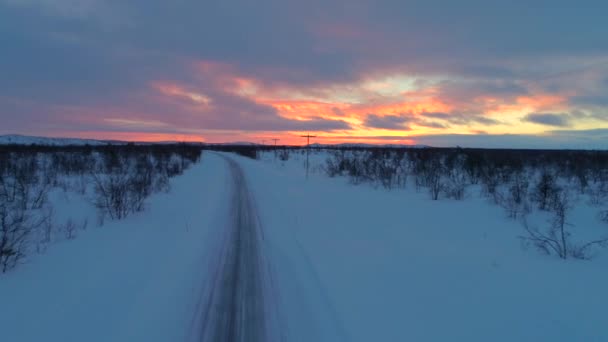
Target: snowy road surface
234 303
260 284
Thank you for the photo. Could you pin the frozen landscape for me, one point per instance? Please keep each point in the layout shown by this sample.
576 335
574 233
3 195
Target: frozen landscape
303 171
244 249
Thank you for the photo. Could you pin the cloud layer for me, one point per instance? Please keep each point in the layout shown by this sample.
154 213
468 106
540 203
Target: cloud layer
420 71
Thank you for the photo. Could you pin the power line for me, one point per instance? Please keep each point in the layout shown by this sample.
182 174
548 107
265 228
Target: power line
275 147
307 136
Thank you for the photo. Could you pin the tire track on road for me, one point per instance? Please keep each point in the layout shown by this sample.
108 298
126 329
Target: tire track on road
234 309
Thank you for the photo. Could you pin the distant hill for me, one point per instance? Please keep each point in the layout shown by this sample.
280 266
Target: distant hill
15 139
367 145
232 143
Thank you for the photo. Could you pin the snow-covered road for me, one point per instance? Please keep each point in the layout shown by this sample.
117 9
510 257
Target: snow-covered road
260 285
234 305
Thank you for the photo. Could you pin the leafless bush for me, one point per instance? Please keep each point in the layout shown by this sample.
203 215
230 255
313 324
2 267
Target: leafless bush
433 181
113 195
15 229
69 229
556 239
335 164
22 197
17 223
598 195
130 178
123 176
161 183
546 191
45 231
604 215
490 179
515 201
456 184
284 155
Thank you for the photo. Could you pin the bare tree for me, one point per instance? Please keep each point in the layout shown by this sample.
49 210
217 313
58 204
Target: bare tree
556 239
604 216
515 200
16 227
112 195
545 191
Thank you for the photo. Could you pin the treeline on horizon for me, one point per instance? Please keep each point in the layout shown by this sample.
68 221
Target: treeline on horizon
564 159
497 156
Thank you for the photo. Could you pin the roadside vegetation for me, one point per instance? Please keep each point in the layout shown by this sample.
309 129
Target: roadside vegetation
537 188
115 179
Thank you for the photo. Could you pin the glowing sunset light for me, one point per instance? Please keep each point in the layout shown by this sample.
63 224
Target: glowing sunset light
175 90
131 136
380 72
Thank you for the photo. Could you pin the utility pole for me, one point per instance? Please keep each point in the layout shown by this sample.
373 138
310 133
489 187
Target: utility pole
275 147
307 136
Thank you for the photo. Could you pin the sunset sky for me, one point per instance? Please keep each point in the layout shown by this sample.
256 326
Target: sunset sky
518 73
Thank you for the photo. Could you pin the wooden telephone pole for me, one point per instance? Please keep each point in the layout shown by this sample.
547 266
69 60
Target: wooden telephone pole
275 147
307 136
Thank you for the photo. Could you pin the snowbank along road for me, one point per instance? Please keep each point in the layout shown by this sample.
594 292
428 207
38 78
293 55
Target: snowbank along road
234 304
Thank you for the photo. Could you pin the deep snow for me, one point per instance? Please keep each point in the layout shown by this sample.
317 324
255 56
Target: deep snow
351 263
396 266
134 280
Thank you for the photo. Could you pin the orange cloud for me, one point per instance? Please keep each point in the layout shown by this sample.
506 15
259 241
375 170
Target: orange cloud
542 101
132 136
395 95
174 90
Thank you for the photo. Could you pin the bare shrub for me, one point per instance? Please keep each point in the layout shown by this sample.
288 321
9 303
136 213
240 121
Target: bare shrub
599 194
69 229
490 179
21 201
456 184
284 155
432 180
45 232
515 201
604 216
556 239
123 176
17 224
545 191
113 195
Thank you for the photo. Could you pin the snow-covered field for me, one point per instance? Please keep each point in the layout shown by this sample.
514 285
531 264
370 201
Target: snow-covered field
396 266
352 263
131 280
